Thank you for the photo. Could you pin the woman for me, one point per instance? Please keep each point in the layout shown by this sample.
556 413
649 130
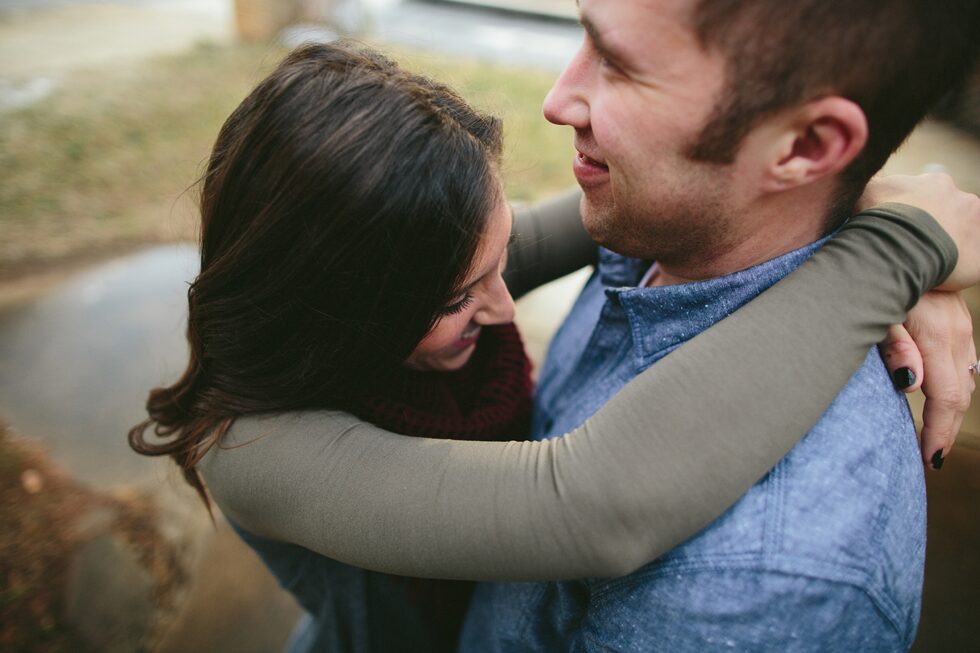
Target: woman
352 280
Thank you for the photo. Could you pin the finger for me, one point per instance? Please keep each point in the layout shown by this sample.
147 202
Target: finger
947 387
902 358
943 331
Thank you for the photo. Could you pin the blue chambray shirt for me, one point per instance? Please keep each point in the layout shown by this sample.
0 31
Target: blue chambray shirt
825 553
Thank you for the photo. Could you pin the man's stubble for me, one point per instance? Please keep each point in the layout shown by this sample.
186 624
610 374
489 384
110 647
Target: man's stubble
688 223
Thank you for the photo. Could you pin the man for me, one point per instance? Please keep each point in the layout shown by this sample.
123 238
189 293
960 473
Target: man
723 140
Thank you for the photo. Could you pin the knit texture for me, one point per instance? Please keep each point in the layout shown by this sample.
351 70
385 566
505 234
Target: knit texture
487 399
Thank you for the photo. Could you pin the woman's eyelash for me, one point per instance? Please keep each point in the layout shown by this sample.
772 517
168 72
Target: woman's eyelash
457 307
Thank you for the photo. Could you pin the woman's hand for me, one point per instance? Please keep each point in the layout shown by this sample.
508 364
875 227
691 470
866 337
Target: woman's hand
935 346
933 350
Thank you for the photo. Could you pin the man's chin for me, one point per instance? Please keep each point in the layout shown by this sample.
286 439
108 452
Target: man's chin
598 220
618 233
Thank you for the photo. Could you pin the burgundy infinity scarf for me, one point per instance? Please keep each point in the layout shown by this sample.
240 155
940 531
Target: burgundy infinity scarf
487 399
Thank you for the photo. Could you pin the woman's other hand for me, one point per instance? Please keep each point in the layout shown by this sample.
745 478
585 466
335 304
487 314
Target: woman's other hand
933 350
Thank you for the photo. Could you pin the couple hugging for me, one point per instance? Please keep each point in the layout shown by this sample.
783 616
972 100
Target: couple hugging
715 458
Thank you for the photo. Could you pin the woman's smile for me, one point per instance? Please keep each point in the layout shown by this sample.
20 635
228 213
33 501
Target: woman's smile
468 338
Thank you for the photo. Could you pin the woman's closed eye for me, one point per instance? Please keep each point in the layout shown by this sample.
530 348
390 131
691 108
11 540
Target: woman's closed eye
457 307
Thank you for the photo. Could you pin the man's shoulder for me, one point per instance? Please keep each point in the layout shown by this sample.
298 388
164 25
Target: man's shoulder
854 478
846 507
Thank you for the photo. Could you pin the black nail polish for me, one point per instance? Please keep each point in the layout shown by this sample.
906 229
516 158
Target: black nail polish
938 460
903 378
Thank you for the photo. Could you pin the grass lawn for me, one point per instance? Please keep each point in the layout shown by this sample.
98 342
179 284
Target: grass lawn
105 161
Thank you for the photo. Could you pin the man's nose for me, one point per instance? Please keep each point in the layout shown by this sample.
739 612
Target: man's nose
566 102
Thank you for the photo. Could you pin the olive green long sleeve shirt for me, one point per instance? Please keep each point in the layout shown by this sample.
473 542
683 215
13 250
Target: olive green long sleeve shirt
643 474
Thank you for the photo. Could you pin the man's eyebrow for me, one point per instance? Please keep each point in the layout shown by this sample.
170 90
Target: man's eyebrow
596 39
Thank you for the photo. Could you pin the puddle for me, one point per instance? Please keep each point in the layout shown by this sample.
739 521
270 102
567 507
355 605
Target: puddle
77 362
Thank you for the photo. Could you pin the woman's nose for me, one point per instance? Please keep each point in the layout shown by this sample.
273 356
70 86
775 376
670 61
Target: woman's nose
498 305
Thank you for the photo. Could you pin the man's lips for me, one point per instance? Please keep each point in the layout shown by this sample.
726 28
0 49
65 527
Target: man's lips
588 170
590 160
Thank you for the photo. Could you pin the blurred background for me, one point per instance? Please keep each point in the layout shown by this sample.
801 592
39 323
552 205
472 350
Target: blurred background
107 114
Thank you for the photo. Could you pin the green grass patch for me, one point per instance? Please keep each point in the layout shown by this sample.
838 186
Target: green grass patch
107 159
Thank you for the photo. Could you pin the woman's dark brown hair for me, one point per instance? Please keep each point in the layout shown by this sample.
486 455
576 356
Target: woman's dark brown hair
341 209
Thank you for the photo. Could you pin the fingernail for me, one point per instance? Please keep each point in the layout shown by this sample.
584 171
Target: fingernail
938 460
903 377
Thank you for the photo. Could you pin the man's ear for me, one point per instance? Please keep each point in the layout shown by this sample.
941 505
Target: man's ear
813 141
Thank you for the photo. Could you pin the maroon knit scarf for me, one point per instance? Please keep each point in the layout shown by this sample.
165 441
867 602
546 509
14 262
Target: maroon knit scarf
487 399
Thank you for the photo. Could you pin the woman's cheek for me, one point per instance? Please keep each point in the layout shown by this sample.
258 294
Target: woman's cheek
445 332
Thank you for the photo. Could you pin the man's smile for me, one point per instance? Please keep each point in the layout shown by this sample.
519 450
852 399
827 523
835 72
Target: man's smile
589 171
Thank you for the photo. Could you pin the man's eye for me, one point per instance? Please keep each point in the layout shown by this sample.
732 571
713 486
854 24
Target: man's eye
457 307
608 64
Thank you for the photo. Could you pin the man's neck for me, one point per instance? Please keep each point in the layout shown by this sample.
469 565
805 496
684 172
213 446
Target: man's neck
772 228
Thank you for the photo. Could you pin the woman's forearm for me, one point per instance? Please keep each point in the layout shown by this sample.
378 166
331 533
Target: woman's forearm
549 242
667 455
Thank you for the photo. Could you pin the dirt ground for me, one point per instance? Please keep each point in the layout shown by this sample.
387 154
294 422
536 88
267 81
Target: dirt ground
46 518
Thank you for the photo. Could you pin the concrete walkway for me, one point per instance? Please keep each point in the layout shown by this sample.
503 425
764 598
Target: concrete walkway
43 42
560 9
467 30
57 37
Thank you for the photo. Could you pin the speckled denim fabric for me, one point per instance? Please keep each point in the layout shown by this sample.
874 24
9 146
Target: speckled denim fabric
825 553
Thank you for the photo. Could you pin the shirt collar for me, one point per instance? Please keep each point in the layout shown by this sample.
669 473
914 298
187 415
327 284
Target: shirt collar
662 318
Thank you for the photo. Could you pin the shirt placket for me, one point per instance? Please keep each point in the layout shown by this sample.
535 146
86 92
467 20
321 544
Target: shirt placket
592 380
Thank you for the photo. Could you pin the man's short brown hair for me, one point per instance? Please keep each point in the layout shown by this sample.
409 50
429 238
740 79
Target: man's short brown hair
894 58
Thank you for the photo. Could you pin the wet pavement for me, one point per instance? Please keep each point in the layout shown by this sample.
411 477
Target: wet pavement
76 364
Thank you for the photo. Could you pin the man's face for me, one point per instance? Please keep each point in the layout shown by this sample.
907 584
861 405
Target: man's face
638 93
